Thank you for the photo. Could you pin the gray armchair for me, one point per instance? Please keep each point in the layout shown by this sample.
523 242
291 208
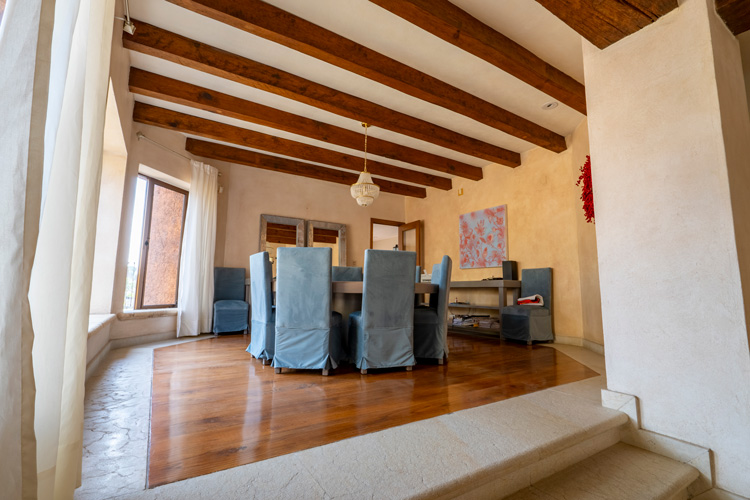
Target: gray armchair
308 333
262 325
230 308
531 323
431 323
381 334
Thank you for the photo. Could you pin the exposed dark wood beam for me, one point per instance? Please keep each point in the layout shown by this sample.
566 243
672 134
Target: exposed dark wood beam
189 124
267 162
448 22
160 43
270 22
735 13
604 22
160 87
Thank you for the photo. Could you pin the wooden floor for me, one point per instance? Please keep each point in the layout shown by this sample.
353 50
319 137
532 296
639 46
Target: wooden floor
215 407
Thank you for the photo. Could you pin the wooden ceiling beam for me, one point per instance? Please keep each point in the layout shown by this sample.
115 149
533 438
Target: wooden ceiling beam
169 46
267 21
448 22
735 14
179 92
604 22
267 162
189 124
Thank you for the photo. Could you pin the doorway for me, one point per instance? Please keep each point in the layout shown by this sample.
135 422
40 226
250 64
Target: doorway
395 235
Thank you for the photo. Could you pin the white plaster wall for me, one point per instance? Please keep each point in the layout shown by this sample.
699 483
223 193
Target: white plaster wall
672 300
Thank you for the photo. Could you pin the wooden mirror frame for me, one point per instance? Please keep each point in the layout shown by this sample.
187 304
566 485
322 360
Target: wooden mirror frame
277 219
341 228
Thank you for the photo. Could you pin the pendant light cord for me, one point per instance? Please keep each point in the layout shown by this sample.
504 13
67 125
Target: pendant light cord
365 125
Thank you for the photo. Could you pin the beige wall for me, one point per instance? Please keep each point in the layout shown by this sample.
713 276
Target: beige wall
543 215
251 192
591 302
669 139
385 243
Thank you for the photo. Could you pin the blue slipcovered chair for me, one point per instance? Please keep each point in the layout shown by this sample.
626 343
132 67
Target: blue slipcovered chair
230 308
343 273
381 334
431 323
531 323
308 333
262 324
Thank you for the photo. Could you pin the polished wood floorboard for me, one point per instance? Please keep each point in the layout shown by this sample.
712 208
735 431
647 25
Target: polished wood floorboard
215 407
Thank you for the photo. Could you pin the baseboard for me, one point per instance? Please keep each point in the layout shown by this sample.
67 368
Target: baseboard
142 339
97 360
561 339
670 447
719 494
593 346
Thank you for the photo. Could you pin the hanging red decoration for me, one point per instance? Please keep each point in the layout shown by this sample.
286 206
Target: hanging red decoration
587 192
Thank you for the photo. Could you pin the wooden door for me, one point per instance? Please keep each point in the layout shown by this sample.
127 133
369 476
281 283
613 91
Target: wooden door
410 238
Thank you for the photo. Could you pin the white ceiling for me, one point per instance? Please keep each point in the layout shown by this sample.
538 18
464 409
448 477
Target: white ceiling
525 21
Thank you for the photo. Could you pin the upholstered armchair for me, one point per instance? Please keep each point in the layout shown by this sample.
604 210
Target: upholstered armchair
381 334
531 323
343 273
308 333
431 323
263 320
230 308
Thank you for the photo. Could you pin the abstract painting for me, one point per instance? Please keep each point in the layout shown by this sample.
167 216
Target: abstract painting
483 238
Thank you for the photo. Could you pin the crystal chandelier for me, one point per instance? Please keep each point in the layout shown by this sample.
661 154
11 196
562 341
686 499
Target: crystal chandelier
365 191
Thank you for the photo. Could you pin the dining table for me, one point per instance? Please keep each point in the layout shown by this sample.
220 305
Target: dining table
347 295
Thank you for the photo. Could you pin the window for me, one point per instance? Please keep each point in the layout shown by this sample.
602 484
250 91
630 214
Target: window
155 245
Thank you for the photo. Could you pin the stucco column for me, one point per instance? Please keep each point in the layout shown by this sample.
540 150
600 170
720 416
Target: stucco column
670 147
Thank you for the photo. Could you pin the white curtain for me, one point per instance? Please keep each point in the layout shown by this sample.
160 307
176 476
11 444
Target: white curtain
25 38
196 291
46 259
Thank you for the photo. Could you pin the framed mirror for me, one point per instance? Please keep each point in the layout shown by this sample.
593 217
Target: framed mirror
277 231
331 235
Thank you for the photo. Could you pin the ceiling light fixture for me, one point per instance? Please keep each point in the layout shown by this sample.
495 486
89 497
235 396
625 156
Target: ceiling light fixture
549 105
365 191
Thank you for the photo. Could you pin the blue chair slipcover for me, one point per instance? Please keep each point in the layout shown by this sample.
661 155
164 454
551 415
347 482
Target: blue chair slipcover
262 325
308 333
342 273
431 323
230 308
531 323
381 334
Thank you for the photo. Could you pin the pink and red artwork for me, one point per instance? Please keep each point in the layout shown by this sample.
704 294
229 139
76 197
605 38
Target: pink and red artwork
483 238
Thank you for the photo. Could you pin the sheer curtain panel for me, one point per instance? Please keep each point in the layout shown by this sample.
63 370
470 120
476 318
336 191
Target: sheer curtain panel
46 256
196 290
25 38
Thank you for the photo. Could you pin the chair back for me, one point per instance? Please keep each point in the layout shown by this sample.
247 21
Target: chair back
303 288
539 281
261 296
229 283
441 276
388 290
344 273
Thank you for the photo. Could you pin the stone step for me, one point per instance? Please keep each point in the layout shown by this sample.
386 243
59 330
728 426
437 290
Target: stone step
621 472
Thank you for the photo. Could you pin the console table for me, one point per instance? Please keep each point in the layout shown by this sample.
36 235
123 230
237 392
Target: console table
507 295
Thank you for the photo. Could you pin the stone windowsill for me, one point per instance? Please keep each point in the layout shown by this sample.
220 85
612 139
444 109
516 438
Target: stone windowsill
99 321
146 313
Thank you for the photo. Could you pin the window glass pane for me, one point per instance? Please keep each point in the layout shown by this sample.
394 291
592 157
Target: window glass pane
165 234
136 242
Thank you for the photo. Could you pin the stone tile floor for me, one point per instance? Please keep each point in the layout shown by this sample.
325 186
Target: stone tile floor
116 427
